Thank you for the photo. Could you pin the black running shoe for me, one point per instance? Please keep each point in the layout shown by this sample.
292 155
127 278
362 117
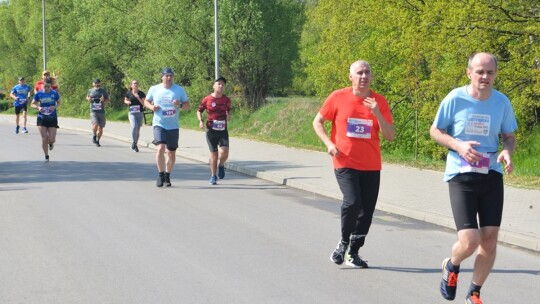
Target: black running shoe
134 147
46 158
354 260
221 172
94 139
338 255
160 181
448 281
167 179
51 147
97 143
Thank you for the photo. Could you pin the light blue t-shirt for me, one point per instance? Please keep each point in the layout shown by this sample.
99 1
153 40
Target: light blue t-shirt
168 114
21 91
469 119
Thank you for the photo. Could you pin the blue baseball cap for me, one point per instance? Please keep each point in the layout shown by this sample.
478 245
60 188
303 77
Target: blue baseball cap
167 70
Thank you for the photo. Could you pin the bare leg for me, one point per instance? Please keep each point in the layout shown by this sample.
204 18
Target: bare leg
223 155
485 257
52 135
24 119
213 162
171 159
160 157
99 132
44 139
468 241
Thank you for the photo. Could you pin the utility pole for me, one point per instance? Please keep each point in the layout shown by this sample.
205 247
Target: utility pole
216 33
44 38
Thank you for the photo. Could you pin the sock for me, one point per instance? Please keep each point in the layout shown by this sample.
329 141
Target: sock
451 267
474 288
161 174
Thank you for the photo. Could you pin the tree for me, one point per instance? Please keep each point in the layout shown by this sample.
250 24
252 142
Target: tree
418 51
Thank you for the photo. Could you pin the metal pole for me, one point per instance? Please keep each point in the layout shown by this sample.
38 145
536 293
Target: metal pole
216 31
44 38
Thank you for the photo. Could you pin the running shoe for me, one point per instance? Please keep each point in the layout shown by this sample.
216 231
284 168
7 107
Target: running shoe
168 180
24 130
448 282
134 148
17 130
160 181
338 255
354 260
213 180
46 158
94 139
221 172
51 147
97 143
474 298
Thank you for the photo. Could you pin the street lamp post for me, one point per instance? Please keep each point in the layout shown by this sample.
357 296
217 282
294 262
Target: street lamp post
216 33
44 38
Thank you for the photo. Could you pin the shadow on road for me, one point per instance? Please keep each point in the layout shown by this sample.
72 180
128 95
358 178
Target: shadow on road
72 171
437 270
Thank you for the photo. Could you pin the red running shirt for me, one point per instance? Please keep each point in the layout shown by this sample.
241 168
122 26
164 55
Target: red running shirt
217 109
355 130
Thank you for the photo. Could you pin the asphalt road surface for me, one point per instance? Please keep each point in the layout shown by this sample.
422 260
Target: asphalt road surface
91 227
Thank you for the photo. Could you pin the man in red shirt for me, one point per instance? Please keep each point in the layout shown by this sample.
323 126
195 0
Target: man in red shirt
39 84
218 107
358 115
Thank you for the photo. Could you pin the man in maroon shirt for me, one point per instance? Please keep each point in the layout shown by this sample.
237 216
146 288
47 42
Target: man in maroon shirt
218 107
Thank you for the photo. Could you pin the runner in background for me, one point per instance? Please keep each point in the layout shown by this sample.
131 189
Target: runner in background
47 102
21 94
135 100
218 107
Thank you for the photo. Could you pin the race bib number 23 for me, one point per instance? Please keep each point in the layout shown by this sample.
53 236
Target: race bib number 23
359 128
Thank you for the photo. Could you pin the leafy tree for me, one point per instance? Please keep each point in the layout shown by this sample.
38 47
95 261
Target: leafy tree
418 51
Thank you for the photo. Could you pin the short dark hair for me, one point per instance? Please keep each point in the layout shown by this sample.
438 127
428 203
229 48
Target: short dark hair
221 78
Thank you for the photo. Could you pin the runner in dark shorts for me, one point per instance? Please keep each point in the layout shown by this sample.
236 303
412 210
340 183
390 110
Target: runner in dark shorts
47 102
218 107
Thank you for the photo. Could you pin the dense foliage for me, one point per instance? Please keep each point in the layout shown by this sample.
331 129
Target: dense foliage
120 40
418 50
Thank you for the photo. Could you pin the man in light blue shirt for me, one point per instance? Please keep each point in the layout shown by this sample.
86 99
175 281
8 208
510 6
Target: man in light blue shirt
469 123
166 100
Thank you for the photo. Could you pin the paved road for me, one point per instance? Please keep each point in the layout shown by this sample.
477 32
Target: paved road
418 194
91 227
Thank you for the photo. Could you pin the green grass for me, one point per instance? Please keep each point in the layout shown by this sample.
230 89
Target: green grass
288 121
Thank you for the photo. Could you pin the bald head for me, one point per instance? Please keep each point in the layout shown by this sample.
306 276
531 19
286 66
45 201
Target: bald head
481 57
359 63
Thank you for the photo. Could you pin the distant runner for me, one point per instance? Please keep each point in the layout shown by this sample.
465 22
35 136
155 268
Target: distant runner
218 107
47 102
21 94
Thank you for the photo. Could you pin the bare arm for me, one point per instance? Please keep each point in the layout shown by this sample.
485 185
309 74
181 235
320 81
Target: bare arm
464 148
200 118
318 126
387 129
185 106
509 146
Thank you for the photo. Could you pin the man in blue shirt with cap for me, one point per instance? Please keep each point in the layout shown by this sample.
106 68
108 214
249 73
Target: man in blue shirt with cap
166 100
